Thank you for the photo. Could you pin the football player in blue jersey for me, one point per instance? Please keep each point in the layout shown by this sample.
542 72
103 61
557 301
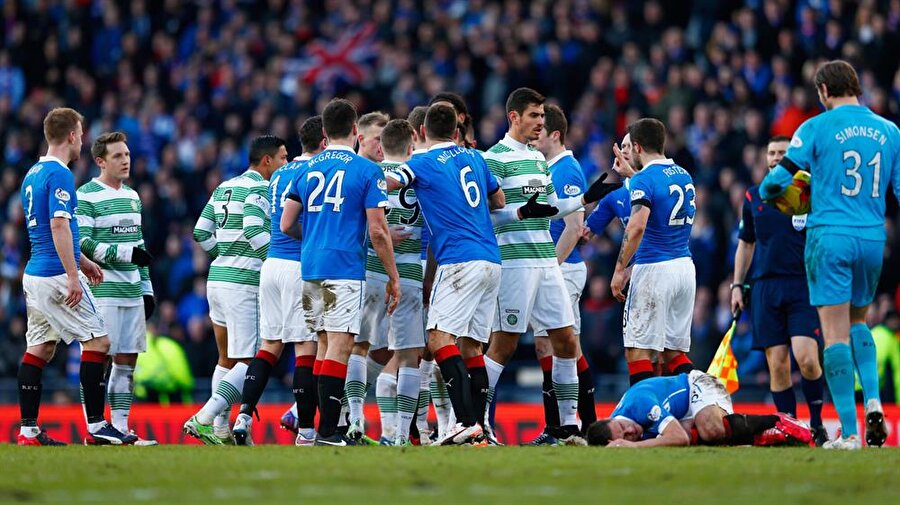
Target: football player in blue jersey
615 205
60 305
660 301
339 194
453 185
783 319
281 310
569 182
689 409
852 155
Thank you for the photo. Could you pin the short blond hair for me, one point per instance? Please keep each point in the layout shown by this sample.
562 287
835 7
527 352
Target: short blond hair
99 148
59 123
376 118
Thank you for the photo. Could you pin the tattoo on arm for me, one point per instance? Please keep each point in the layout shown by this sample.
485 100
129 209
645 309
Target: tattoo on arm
622 249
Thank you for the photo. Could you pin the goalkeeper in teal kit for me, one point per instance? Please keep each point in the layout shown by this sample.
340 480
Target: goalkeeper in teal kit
853 155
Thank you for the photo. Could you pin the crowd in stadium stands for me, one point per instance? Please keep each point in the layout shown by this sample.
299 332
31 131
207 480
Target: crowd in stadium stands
191 83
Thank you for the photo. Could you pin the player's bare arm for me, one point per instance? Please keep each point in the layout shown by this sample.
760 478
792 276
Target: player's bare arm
62 241
497 200
673 436
380 236
570 236
634 232
290 219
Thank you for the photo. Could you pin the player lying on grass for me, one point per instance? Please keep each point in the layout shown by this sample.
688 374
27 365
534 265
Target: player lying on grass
690 409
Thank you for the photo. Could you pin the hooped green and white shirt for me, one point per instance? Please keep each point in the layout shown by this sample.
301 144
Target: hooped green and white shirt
522 171
109 227
234 229
403 210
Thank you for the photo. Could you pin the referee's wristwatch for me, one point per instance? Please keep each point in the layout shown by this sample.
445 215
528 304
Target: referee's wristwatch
743 287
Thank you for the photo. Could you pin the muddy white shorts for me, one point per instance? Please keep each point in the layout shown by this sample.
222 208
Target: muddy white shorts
706 390
660 306
333 305
464 299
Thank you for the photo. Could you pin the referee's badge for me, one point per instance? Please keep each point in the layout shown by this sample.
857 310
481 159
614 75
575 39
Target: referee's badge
799 222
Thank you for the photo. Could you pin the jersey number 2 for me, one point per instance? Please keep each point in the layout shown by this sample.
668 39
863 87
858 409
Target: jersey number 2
674 220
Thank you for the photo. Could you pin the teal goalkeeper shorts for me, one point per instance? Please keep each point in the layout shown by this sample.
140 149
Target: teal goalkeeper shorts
842 268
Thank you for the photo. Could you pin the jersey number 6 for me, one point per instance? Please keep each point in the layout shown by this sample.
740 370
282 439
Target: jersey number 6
470 188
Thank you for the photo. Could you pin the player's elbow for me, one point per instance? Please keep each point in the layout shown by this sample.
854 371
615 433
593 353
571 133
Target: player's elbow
681 439
59 224
497 200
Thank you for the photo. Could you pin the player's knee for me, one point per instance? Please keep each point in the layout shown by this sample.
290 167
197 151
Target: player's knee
809 365
711 429
99 344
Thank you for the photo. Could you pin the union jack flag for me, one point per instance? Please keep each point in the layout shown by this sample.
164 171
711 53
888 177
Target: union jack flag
349 59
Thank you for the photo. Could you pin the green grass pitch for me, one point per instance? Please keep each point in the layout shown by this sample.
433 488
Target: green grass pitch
423 475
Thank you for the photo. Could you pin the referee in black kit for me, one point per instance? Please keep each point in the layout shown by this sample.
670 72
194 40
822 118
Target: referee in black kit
779 301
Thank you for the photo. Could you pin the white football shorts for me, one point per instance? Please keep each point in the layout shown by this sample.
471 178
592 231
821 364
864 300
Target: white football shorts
575 276
533 295
127 328
464 299
660 306
281 302
237 309
51 320
333 305
402 330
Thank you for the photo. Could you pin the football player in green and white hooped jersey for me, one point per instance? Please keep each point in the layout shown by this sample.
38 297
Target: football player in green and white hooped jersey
402 333
109 225
235 229
532 288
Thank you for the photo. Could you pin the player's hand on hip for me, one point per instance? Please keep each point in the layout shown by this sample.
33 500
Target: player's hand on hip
92 271
617 284
392 295
399 234
74 293
599 189
140 257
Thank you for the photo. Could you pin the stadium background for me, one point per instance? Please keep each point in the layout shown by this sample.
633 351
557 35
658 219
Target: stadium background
192 82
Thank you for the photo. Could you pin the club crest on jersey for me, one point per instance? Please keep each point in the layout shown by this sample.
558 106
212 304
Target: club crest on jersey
571 190
62 195
382 184
637 194
655 413
799 222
